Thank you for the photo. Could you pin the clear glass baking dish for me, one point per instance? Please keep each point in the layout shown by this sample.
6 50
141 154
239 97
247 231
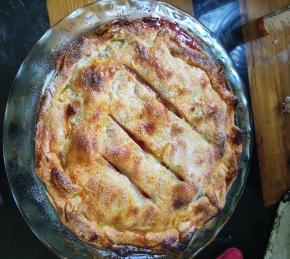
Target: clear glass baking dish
21 114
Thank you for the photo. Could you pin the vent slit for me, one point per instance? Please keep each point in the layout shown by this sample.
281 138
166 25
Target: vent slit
165 102
142 145
142 192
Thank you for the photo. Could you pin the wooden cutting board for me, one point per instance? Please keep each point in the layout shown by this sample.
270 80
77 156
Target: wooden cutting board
269 78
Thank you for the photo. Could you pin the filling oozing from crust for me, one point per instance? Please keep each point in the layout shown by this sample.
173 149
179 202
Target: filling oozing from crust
137 144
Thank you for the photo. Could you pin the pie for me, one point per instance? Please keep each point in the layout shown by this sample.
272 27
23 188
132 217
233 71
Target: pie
136 141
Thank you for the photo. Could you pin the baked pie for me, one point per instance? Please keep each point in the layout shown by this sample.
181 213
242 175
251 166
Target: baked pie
136 141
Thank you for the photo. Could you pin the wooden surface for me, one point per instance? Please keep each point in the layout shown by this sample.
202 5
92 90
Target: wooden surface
57 9
269 79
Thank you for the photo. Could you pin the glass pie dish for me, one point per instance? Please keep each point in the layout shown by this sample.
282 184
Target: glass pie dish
21 116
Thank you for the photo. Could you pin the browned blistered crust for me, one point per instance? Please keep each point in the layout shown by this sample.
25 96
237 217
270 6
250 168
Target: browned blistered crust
136 141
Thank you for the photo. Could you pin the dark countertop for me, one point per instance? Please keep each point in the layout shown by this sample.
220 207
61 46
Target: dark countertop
21 24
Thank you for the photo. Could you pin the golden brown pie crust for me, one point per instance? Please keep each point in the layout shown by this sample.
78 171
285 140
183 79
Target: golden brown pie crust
136 141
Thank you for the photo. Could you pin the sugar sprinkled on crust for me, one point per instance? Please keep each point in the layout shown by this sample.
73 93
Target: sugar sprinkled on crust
137 144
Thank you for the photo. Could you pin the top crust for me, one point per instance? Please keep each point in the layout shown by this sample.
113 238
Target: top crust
137 143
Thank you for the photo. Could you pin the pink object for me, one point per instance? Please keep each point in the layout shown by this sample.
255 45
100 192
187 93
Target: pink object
231 253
